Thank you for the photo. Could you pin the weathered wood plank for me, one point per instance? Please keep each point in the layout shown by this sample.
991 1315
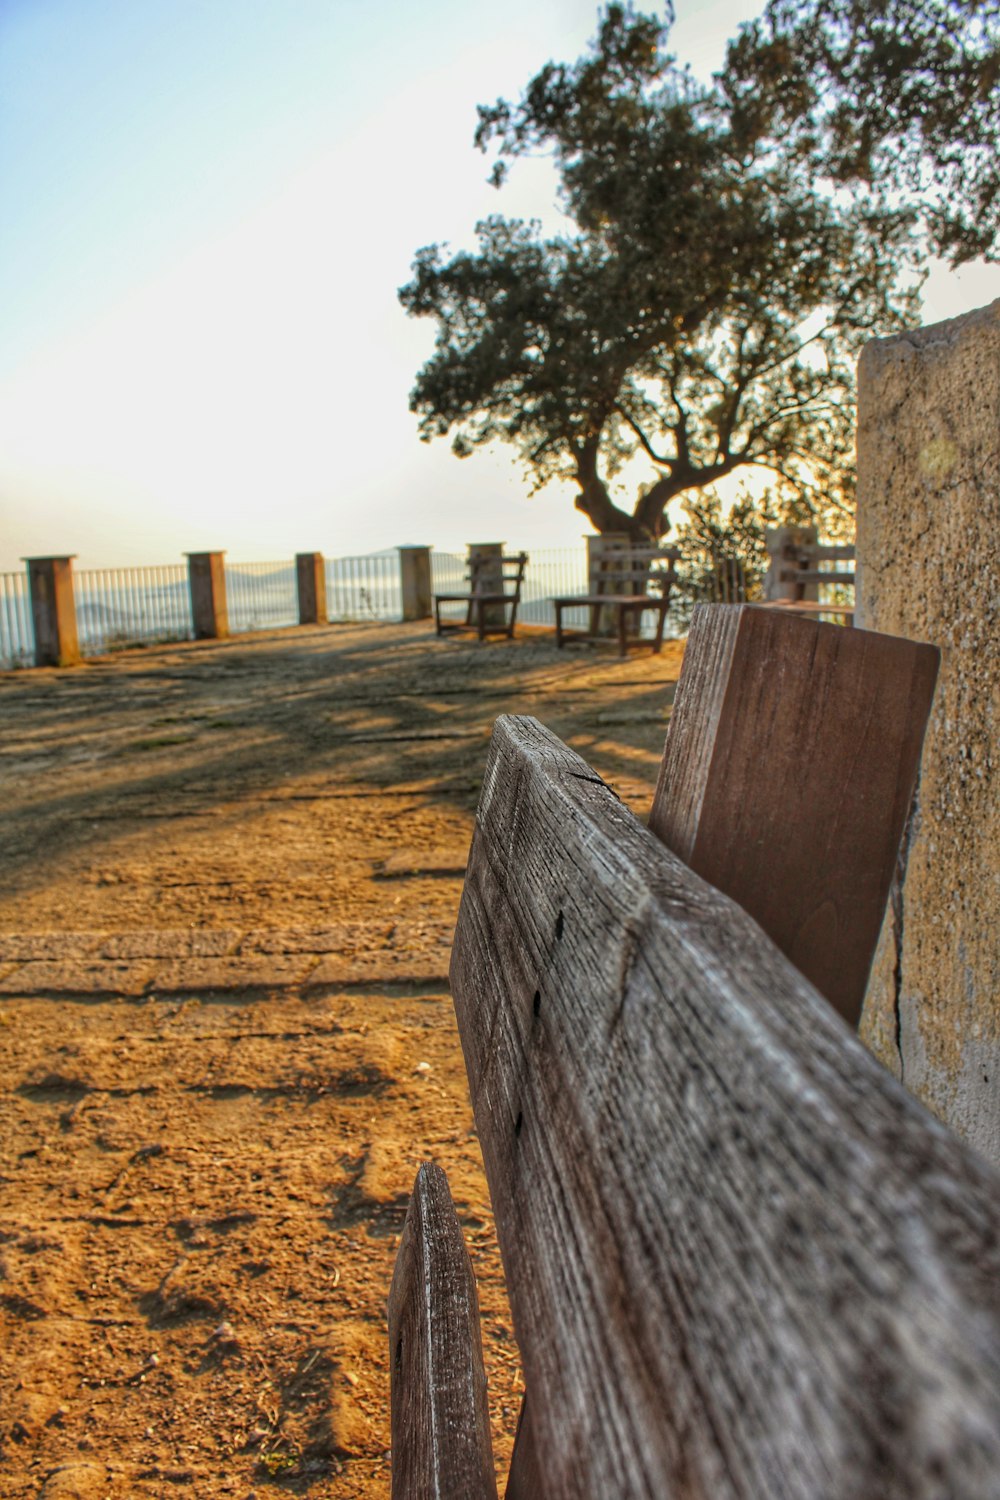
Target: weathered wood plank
525 1480
844 552
742 1261
810 575
787 775
441 1448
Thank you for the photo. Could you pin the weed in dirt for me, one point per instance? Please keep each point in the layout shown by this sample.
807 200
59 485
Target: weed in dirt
157 742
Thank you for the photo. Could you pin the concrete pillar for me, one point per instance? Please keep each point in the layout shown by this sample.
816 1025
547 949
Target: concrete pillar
207 581
489 578
53 611
310 583
415 582
784 543
928 566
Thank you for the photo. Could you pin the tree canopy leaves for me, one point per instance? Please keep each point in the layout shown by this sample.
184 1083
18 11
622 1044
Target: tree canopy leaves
704 310
902 96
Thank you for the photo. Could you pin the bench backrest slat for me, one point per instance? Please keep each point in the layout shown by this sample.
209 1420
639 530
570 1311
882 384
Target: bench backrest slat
492 573
628 569
789 766
844 552
742 1260
814 576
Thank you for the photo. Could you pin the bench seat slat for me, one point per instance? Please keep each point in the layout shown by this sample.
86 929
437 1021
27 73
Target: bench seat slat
485 598
742 1260
630 601
808 607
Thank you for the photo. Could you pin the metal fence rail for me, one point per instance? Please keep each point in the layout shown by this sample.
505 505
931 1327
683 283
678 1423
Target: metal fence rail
449 572
364 588
261 596
17 635
118 607
122 606
552 571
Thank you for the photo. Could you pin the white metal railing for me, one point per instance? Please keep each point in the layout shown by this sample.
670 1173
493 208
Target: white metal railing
449 572
261 596
122 606
118 607
17 636
364 588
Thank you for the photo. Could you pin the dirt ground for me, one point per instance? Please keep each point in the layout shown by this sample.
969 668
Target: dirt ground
229 875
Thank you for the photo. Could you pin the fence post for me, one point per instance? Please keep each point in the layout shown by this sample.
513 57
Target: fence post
415 582
310 584
53 611
784 544
490 578
928 565
207 582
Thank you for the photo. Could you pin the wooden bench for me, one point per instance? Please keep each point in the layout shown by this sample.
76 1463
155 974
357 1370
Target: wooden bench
796 574
742 1260
622 582
495 584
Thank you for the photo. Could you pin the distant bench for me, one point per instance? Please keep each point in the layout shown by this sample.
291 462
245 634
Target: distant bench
796 572
628 581
742 1260
492 598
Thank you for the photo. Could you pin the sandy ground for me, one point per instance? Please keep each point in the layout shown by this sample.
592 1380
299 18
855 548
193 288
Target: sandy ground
229 875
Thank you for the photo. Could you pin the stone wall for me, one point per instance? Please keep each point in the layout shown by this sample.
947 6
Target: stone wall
928 552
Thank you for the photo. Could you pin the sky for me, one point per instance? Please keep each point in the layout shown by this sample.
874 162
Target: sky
208 207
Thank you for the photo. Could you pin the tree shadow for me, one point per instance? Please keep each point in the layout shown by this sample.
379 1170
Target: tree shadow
219 727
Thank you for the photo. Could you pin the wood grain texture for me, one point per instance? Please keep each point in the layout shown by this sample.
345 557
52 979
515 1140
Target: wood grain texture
742 1260
441 1448
787 775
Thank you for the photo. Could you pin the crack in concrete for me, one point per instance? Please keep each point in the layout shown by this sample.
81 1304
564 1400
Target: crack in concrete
896 902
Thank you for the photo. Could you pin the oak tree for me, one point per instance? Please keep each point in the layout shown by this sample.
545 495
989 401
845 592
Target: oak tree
704 309
899 97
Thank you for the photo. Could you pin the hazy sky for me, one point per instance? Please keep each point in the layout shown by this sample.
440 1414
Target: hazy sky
208 206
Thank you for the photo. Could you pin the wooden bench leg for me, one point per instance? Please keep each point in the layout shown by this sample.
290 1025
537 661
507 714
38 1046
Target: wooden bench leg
622 630
661 621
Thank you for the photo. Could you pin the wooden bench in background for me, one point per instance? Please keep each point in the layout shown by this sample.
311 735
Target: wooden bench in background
628 582
797 571
742 1260
493 595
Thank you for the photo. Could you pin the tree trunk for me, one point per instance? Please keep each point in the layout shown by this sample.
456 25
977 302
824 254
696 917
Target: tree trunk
601 511
595 502
650 509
